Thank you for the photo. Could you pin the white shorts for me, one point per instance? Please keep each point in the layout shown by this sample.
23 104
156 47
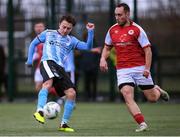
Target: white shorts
133 75
37 76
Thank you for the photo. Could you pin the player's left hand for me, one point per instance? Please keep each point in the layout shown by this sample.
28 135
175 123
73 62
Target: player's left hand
96 50
146 73
90 26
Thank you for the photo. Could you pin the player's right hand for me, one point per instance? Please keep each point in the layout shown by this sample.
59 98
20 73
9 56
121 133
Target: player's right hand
103 65
146 73
90 26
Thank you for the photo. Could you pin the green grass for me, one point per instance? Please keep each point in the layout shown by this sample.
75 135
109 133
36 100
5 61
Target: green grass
92 119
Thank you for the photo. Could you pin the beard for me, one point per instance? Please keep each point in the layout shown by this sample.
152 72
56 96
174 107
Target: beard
122 23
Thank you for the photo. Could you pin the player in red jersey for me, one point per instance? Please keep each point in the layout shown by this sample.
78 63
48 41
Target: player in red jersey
38 28
133 54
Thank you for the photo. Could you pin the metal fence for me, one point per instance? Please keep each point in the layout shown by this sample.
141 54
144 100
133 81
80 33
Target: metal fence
159 18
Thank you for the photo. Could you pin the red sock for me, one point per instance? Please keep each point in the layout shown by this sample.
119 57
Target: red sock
139 118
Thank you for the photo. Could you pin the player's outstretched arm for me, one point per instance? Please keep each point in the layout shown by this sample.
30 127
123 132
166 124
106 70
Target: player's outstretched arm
39 39
89 43
31 50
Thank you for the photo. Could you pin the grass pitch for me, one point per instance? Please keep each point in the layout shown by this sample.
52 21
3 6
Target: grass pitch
92 119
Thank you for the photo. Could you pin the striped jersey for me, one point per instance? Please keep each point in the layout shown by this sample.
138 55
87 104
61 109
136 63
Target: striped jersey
57 47
69 62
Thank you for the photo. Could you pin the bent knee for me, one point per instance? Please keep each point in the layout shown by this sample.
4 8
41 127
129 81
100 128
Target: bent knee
47 84
70 93
127 91
152 98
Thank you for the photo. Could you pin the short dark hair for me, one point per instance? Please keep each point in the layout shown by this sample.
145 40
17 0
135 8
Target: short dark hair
126 7
69 19
39 22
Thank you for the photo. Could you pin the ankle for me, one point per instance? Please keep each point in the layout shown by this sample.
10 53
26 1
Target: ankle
41 113
143 124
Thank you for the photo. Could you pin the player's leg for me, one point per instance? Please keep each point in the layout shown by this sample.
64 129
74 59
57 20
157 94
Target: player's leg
127 91
163 94
43 93
126 84
68 109
48 76
62 99
42 100
65 87
154 93
151 92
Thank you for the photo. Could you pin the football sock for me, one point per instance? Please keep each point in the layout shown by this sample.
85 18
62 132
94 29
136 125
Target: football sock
68 108
42 98
139 118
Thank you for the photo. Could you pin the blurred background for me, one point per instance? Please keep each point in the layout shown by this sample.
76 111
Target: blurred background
159 18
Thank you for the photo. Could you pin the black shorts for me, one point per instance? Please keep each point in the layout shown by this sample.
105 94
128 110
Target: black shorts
61 81
142 87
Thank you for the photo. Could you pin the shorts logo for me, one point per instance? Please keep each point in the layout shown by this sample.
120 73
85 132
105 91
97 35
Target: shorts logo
131 32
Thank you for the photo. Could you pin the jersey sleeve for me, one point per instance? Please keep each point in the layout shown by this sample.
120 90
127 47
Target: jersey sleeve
108 40
143 39
42 36
36 41
81 45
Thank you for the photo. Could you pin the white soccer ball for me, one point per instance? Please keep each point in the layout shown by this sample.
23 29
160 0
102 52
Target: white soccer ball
51 110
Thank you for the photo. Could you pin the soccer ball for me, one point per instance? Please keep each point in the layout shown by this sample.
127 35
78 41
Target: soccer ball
51 110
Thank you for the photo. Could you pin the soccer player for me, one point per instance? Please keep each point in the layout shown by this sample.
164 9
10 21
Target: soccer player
133 53
69 62
57 45
38 28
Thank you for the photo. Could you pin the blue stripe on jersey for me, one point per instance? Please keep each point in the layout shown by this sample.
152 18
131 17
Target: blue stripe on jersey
69 63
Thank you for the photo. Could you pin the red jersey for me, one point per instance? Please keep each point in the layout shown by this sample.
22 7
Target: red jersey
38 54
128 42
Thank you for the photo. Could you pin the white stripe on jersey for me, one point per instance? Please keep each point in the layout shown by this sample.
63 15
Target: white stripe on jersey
108 40
48 70
142 39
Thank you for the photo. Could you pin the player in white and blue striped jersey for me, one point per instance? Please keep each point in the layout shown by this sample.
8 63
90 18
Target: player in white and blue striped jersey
57 45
